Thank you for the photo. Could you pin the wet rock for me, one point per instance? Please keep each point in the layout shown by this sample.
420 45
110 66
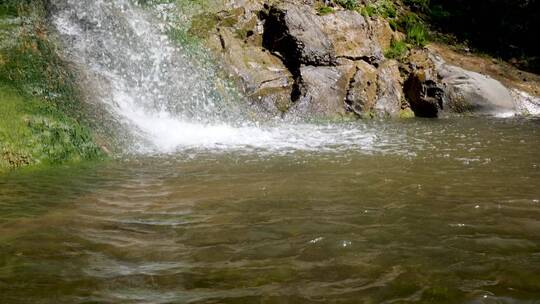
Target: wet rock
422 89
323 91
526 104
263 76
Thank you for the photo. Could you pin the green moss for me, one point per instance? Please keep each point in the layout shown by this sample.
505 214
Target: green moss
34 132
397 50
406 113
368 10
387 9
367 115
324 10
40 112
202 24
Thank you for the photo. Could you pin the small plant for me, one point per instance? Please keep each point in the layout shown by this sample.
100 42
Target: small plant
368 10
348 4
417 35
384 8
397 49
324 10
387 9
414 28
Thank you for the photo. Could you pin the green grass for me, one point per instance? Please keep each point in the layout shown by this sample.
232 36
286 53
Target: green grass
414 28
397 50
31 132
384 8
324 10
348 4
417 35
40 109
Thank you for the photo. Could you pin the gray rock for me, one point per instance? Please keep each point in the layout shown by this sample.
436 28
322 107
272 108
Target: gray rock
376 91
304 38
295 32
351 36
389 91
323 91
362 94
467 91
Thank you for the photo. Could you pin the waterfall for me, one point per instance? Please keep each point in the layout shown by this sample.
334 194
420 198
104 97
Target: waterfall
168 101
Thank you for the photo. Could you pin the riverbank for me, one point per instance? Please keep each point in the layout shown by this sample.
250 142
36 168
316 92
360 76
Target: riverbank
41 110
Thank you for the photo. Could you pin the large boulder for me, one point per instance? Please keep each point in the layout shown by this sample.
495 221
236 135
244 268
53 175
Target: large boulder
434 87
323 91
467 91
304 38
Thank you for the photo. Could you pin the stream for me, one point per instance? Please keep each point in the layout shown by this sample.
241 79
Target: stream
450 213
208 206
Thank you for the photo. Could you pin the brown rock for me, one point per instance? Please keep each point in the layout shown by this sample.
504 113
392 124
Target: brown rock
263 76
350 36
376 91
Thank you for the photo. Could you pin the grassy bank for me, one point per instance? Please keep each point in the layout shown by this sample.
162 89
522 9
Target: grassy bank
40 111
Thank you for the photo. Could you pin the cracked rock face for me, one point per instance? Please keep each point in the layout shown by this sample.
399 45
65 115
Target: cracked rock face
295 32
376 91
323 91
350 36
264 77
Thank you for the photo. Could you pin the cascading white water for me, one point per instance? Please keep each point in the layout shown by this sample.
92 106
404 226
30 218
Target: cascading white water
168 101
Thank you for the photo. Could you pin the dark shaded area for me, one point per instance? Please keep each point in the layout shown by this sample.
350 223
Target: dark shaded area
277 39
424 96
503 28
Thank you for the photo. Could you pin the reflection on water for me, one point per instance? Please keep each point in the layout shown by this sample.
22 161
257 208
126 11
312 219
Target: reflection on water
451 214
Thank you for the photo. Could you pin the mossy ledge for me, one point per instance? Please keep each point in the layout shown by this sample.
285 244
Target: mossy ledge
41 116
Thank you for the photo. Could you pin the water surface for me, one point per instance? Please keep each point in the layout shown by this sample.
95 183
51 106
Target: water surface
426 211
